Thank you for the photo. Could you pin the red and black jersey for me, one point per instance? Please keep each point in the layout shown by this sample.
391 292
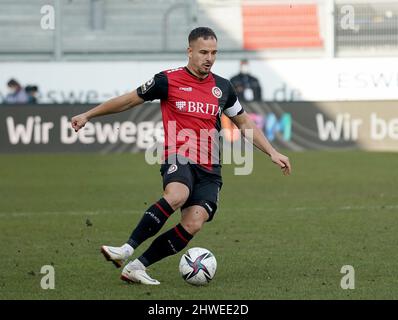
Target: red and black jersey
191 109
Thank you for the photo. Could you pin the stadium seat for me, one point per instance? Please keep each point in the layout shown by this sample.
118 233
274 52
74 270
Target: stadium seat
20 28
280 26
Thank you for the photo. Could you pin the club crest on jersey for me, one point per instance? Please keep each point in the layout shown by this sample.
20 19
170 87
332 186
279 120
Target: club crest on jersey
147 85
172 168
216 92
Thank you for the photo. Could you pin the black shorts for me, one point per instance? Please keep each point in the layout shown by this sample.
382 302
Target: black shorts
204 187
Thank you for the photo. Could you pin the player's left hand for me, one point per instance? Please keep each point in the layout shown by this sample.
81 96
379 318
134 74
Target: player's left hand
282 161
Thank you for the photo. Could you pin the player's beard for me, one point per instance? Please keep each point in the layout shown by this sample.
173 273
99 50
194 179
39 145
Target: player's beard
205 68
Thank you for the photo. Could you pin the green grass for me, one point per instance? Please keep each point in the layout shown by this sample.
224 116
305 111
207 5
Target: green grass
274 237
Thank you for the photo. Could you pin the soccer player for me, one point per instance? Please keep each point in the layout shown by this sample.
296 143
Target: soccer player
192 99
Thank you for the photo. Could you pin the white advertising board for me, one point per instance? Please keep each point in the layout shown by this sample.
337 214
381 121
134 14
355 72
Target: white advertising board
281 80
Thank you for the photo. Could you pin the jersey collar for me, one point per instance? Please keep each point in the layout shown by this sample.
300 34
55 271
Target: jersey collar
196 77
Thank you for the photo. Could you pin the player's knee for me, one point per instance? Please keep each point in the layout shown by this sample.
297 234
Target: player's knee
175 201
193 220
176 197
192 226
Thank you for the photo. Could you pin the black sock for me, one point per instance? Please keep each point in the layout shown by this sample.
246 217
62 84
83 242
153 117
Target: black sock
167 244
152 221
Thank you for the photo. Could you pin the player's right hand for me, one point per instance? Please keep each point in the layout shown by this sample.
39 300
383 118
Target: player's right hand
282 161
79 122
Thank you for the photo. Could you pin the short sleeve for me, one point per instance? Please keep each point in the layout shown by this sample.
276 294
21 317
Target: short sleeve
232 107
155 88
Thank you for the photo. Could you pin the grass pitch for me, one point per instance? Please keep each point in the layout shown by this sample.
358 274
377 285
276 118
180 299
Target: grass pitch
274 237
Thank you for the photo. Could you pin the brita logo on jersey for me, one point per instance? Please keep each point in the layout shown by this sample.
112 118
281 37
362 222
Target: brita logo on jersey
181 105
198 107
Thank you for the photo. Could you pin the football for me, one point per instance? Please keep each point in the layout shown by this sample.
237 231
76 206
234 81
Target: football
198 266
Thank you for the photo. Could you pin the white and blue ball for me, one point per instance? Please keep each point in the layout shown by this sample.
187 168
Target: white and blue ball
198 266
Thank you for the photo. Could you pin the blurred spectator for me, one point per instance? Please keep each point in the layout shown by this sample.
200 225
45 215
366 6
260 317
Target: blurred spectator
16 93
32 92
247 87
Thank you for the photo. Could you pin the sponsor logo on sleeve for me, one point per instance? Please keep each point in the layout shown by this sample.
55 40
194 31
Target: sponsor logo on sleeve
147 85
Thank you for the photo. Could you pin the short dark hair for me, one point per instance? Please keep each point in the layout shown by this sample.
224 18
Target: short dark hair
201 32
31 88
13 83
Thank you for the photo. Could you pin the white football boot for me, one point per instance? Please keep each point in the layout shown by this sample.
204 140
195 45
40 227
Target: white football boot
134 272
117 255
